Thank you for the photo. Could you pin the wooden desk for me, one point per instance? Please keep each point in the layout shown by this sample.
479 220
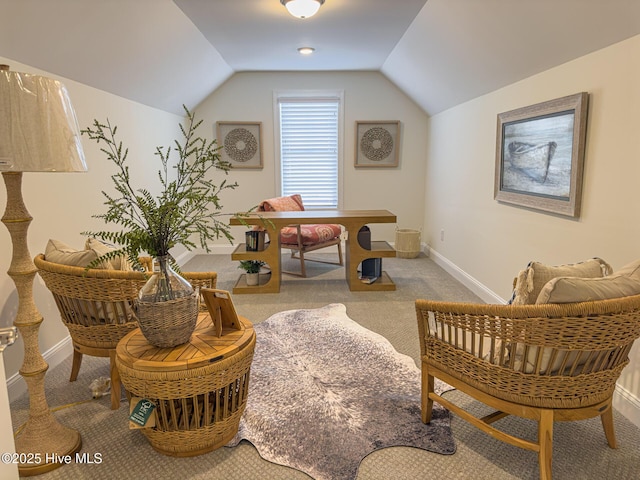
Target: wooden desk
200 388
351 220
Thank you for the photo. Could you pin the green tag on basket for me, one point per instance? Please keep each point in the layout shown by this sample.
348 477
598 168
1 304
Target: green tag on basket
142 411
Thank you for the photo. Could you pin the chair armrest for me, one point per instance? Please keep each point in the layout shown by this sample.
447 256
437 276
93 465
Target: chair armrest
201 280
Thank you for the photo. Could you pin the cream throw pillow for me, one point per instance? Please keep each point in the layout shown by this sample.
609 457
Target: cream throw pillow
531 280
120 262
105 312
546 354
623 283
59 252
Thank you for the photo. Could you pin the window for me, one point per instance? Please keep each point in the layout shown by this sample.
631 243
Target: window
309 149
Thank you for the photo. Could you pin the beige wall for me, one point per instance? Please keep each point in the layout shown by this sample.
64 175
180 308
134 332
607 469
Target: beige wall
62 204
367 96
491 242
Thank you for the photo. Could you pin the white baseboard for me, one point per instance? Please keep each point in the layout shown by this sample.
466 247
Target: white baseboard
221 249
624 401
54 356
467 280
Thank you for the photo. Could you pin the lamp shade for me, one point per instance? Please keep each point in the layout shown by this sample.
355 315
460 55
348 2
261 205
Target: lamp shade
38 127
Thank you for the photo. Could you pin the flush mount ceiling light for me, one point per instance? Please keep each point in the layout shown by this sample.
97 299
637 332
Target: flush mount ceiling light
306 50
302 8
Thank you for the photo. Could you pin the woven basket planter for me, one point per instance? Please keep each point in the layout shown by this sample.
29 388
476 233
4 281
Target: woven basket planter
170 323
407 243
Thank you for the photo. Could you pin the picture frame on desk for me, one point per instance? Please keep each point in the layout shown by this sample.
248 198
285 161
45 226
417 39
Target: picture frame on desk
221 309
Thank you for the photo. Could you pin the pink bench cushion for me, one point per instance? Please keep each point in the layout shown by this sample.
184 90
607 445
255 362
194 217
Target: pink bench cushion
311 234
292 203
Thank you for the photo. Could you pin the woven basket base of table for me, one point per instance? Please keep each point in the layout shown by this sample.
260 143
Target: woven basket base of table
168 324
190 443
197 410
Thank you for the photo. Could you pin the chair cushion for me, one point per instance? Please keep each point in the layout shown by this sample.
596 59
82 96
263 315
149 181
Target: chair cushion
568 358
292 203
622 283
312 234
465 340
59 252
120 262
531 280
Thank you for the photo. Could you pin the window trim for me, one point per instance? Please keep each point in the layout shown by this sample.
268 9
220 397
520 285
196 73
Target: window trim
305 95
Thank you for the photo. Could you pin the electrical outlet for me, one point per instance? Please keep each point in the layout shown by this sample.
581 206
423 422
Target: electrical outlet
442 235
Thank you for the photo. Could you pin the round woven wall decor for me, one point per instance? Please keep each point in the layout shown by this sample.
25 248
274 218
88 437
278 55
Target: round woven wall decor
376 144
241 145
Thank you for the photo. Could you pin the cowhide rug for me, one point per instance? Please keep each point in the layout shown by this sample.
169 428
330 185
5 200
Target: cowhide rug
324 392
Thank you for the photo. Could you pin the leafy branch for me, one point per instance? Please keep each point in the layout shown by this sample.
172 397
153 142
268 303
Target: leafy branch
188 204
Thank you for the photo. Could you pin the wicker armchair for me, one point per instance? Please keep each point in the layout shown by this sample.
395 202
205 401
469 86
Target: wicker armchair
547 363
97 308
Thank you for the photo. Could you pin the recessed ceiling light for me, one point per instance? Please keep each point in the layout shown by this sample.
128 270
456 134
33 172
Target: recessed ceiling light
306 50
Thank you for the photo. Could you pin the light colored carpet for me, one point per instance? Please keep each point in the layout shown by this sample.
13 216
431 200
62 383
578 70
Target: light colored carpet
325 392
580 449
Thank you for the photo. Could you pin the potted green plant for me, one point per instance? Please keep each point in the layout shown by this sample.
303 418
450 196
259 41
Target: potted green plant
252 267
187 205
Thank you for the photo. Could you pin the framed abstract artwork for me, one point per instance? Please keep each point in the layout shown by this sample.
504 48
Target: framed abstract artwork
540 155
241 143
377 143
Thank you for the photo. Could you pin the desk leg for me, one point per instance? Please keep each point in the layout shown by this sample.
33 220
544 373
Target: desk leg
355 254
274 260
271 256
353 251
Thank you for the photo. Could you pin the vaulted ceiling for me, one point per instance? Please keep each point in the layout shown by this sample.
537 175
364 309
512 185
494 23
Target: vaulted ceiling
165 53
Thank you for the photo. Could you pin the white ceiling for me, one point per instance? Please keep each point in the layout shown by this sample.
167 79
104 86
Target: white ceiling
166 53
261 35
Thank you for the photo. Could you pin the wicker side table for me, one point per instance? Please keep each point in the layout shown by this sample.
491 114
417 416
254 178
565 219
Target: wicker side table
199 388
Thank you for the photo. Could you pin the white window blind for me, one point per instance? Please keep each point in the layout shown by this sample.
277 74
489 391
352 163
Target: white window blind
309 150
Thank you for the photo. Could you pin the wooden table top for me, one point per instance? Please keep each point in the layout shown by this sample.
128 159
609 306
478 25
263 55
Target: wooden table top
203 348
317 216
